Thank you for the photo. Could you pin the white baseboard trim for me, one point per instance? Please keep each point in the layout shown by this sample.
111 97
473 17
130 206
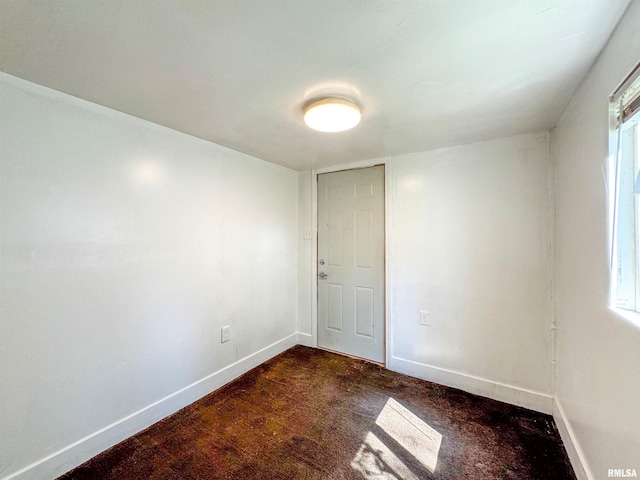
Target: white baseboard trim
574 452
62 461
540 402
305 339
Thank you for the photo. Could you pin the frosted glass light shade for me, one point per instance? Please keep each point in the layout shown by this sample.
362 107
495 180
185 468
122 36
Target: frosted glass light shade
332 115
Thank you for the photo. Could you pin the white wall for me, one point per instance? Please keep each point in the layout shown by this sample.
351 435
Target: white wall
125 246
305 255
598 365
471 236
470 239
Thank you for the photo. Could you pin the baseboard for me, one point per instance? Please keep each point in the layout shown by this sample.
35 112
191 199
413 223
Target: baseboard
576 457
540 402
305 339
79 452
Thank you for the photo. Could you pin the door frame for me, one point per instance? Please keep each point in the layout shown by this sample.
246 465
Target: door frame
388 308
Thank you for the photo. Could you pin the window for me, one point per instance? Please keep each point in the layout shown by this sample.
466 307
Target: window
625 194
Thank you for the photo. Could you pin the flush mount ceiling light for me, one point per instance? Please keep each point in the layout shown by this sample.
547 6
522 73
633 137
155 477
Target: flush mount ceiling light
332 115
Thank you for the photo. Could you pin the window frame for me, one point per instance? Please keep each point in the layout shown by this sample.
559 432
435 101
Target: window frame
624 197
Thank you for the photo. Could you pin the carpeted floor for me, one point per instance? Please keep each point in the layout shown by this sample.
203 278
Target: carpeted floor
311 414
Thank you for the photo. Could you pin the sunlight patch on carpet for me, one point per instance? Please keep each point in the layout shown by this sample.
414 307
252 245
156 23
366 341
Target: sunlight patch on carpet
378 460
375 461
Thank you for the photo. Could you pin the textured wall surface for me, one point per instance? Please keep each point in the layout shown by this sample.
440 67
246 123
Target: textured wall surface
598 367
125 247
470 243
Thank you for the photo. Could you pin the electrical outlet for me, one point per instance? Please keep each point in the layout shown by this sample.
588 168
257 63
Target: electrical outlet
225 334
425 318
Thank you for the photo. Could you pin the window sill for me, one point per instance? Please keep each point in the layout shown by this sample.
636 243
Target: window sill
628 315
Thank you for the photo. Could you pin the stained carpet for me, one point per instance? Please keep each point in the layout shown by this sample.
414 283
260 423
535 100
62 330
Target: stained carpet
311 414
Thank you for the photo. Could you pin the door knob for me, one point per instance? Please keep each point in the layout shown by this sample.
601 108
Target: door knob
322 275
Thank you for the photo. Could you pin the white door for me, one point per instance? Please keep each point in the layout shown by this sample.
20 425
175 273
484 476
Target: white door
351 262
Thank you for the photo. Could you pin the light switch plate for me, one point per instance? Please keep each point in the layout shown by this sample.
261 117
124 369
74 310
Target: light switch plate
425 318
225 334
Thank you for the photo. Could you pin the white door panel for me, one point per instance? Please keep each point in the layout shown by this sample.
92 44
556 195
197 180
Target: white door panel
351 255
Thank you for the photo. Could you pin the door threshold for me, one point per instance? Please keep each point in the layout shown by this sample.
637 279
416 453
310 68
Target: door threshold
355 357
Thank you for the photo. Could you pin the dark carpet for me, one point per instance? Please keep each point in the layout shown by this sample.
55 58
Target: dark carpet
311 414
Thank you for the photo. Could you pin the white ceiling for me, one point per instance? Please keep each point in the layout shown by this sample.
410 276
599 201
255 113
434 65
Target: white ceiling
427 73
